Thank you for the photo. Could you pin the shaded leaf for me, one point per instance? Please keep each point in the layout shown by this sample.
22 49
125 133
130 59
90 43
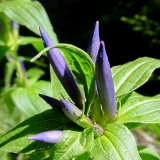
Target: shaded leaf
84 156
27 99
36 42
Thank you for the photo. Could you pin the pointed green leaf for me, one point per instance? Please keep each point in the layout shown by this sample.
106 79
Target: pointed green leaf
82 67
140 109
30 14
117 143
130 76
17 141
27 99
74 143
36 42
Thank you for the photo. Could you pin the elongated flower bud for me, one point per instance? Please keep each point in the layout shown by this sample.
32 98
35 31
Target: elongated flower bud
74 113
15 30
105 83
70 110
62 71
49 137
23 68
51 101
94 43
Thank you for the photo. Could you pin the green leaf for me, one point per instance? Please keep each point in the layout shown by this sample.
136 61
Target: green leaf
8 115
27 99
3 51
147 153
6 99
38 63
117 143
132 126
9 70
36 42
5 32
39 155
74 143
57 88
17 141
33 74
84 156
155 128
96 112
4 155
130 76
30 14
82 67
140 109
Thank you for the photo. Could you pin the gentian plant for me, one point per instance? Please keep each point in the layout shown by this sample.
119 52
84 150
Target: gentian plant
93 109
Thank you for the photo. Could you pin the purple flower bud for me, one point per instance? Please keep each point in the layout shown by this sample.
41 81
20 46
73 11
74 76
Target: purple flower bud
23 68
51 101
70 110
105 84
62 71
14 25
74 113
94 43
49 137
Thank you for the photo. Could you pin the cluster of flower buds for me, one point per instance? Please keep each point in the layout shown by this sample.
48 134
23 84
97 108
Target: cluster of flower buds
104 83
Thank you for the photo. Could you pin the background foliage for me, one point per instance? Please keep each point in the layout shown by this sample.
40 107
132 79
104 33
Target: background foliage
130 29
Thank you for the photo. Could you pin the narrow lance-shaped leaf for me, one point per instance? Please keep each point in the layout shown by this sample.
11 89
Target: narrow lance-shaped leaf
94 43
62 71
49 137
105 84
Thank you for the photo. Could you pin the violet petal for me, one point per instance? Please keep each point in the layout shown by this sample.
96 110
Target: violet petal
62 71
70 110
49 137
105 83
94 43
51 101
14 25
